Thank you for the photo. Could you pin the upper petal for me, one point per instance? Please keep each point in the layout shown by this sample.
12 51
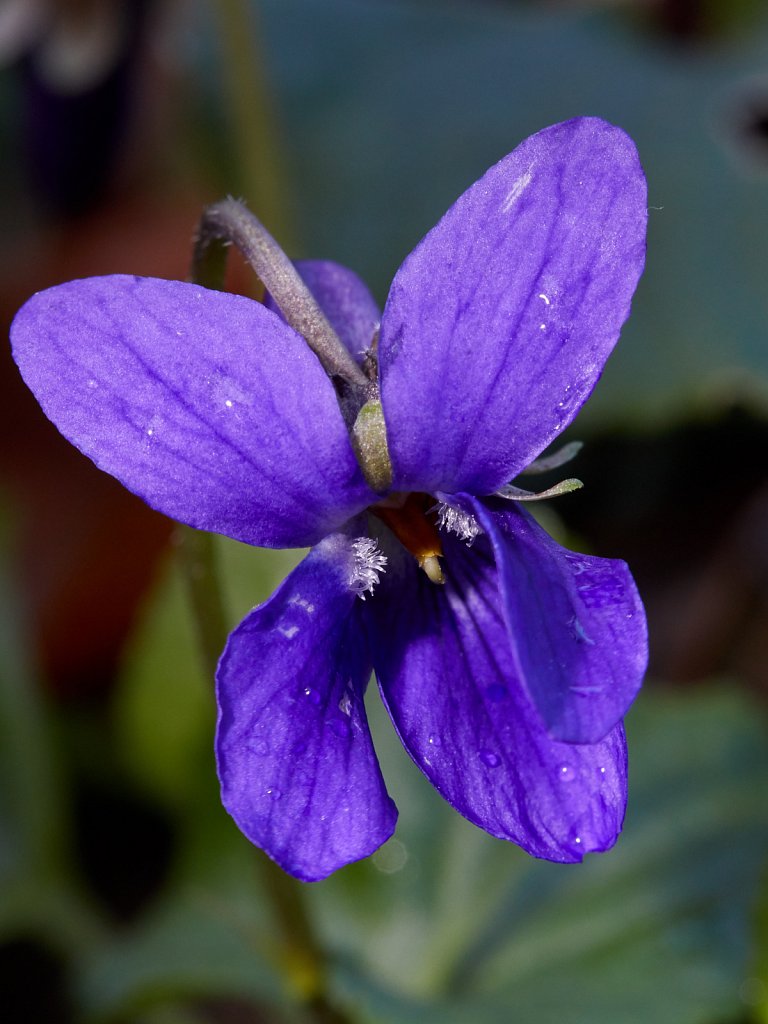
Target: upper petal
204 404
576 623
498 324
344 298
298 771
449 679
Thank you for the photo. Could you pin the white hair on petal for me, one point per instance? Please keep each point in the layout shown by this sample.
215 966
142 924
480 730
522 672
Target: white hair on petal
456 521
367 564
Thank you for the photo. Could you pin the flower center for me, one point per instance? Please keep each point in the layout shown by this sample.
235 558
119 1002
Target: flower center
409 518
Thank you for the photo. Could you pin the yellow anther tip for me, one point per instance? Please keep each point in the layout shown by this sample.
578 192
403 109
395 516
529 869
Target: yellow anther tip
431 566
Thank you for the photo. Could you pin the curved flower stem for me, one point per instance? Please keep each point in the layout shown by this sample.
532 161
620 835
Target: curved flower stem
197 560
230 222
253 134
297 953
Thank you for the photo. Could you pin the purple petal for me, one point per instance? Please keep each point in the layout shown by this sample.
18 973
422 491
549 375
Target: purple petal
498 324
298 771
204 404
576 624
344 298
448 677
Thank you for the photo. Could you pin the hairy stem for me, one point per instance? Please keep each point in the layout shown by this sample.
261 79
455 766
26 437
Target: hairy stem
230 222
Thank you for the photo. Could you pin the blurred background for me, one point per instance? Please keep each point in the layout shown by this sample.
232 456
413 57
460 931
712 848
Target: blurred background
127 896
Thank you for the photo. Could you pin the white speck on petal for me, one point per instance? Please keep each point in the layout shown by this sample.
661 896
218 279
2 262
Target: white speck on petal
289 632
544 298
517 190
154 424
345 705
227 392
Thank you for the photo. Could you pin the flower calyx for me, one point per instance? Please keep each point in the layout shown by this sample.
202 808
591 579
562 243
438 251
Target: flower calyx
546 464
512 493
369 441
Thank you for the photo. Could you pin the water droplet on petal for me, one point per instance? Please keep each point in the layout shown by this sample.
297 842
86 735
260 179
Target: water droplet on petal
312 695
434 740
579 632
496 692
565 773
340 726
489 758
274 793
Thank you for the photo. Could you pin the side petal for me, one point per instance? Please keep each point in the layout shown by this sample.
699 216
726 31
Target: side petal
204 404
498 324
297 767
344 298
448 677
576 624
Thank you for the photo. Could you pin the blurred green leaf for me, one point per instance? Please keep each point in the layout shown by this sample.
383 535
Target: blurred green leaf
209 934
390 110
250 575
470 928
755 986
165 707
164 710
30 796
39 895
194 947
44 910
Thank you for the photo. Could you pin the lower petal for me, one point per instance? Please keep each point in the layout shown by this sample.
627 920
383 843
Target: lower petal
448 677
297 767
576 624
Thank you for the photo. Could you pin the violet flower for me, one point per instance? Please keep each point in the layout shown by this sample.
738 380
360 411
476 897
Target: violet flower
506 662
